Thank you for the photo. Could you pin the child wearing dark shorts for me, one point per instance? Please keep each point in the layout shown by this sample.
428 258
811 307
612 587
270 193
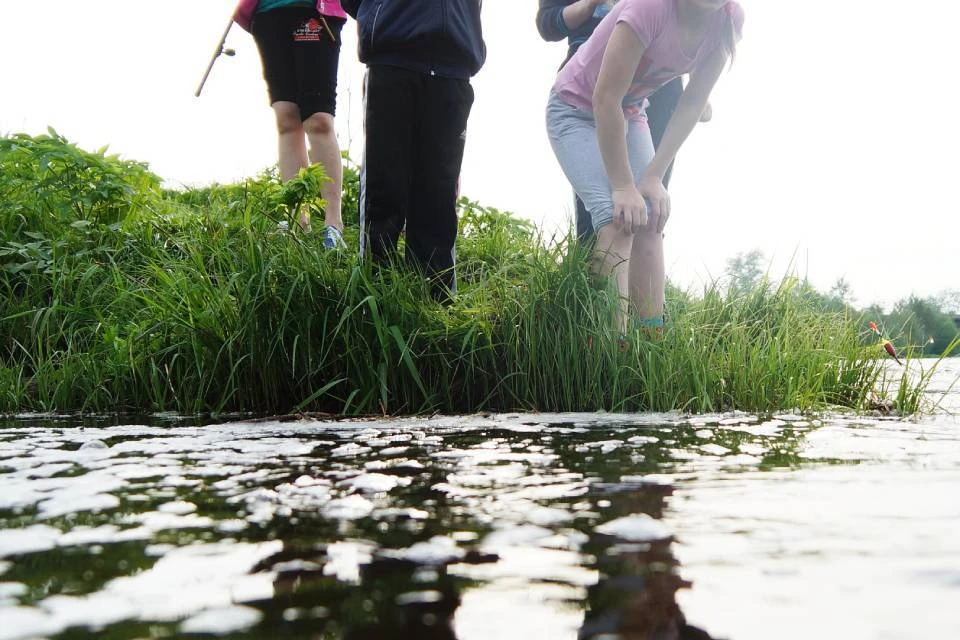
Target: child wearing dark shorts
299 44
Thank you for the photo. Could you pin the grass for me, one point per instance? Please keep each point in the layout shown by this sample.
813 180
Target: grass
119 296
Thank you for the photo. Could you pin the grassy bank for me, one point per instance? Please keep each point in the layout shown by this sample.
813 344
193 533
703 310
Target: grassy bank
118 295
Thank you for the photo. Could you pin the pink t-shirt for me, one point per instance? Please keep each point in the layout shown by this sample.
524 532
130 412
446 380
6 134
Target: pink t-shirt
655 23
243 14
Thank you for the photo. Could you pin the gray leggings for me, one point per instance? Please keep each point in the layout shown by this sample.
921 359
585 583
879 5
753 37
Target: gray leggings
573 136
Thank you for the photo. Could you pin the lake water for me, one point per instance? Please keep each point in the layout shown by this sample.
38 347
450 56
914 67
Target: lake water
516 526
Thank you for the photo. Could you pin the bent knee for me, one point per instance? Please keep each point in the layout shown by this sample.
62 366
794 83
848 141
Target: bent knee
319 124
612 240
288 118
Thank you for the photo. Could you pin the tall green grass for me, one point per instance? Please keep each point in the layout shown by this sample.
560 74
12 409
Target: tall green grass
119 296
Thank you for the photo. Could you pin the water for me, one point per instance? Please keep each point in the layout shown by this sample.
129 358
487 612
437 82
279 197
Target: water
485 527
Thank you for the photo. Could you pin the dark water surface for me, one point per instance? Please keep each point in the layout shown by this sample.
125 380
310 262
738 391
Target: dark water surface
485 527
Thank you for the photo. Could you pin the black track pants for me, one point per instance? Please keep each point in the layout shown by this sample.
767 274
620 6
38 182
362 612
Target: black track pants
415 134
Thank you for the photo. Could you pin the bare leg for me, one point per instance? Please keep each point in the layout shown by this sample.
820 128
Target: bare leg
611 256
292 147
325 150
291 144
647 274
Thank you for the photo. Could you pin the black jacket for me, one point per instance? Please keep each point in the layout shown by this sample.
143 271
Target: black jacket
439 37
552 28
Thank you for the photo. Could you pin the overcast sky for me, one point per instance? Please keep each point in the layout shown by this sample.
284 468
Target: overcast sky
834 143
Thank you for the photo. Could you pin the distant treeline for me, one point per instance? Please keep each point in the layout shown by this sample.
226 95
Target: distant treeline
928 325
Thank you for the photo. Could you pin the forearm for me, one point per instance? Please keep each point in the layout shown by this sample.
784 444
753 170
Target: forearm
684 119
689 110
611 136
577 14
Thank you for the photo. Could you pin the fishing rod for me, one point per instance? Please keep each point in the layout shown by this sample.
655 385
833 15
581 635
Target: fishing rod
216 54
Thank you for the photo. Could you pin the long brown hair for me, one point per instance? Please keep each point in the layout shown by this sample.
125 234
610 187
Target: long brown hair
729 35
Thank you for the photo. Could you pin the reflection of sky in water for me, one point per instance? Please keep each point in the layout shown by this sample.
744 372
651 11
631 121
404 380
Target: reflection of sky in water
828 526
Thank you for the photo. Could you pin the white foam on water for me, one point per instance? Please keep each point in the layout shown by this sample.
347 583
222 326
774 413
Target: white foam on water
178 481
60 495
714 449
104 534
222 620
408 512
142 468
40 471
555 491
180 507
232 525
740 460
239 477
393 451
65 504
94 611
155 521
37 537
306 498
374 482
93 444
158 550
367 434
753 449
345 558
255 496
309 481
636 528
192 579
349 508
437 550
525 535
455 491
350 449
22 623
10 590
546 516
606 446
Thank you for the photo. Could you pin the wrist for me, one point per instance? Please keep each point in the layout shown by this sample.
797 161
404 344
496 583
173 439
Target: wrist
652 174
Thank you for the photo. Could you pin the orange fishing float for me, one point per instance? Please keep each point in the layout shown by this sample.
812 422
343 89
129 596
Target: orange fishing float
887 345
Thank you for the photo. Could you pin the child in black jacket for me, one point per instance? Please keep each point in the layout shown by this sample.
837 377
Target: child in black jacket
420 56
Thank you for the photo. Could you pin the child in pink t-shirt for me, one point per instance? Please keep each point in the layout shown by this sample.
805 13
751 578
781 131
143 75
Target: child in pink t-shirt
597 127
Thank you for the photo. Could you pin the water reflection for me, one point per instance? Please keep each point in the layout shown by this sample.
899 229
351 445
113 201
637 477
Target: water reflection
353 591
639 576
511 526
